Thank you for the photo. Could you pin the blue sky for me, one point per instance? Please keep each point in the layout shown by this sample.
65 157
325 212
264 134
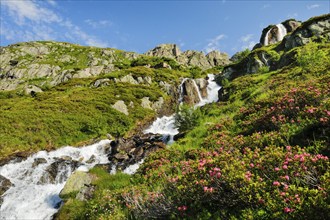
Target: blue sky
228 26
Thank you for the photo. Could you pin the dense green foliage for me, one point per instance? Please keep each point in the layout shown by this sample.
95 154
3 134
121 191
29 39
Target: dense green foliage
263 154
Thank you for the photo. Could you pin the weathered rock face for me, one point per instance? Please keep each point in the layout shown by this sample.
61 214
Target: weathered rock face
48 61
190 92
275 33
79 183
291 25
218 59
121 106
125 152
165 50
5 184
190 57
318 27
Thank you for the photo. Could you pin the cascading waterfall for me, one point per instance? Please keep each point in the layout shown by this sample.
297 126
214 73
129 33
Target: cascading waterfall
36 184
33 194
165 125
281 32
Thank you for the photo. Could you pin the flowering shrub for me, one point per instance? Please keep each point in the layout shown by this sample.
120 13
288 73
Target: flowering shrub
278 182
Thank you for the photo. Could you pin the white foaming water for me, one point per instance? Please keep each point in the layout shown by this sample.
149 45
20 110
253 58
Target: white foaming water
133 168
165 125
280 34
212 92
32 197
198 92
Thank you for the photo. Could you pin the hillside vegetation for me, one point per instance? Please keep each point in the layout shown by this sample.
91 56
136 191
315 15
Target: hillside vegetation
262 152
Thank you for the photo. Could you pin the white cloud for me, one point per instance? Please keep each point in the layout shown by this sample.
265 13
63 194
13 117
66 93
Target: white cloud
214 43
52 2
98 24
35 21
309 7
246 38
21 11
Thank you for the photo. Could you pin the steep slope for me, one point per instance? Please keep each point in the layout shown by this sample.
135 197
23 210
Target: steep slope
260 153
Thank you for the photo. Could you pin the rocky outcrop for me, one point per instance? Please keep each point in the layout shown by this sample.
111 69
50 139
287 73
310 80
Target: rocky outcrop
217 58
49 61
79 186
134 80
275 33
165 50
202 86
318 27
5 184
190 58
125 152
190 92
303 33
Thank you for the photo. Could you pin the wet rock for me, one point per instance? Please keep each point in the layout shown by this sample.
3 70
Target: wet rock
58 171
91 159
202 85
121 156
5 184
190 92
129 151
38 161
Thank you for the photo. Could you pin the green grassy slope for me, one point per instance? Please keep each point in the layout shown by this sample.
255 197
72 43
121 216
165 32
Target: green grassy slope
262 154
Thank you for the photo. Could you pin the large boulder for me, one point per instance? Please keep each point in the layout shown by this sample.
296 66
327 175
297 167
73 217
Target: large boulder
78 185
125 152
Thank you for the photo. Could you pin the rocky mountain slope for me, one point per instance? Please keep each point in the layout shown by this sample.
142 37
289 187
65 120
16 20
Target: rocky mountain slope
39 64
261 152
41 80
